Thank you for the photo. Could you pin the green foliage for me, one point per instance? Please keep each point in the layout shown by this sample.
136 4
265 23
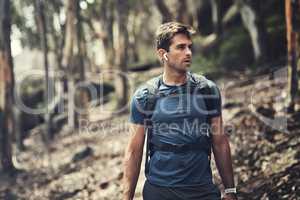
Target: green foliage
233 52
236 49
147 54
276 37
20 16
32 85
23 16
275 23
204 64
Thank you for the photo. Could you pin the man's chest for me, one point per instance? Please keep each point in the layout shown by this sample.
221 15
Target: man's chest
179 107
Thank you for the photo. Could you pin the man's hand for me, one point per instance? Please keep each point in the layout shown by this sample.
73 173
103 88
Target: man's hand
229 197
221 149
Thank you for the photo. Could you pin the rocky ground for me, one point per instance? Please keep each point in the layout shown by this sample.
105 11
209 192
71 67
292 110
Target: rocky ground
87 164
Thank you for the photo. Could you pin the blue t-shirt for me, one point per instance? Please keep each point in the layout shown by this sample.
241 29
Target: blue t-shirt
179 118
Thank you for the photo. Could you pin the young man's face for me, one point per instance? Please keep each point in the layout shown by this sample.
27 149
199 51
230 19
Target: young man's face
180 53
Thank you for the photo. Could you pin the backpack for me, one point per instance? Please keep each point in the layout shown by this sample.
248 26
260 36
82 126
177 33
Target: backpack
198 82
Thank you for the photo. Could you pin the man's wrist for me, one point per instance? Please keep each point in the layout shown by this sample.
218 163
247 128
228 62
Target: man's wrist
230 190
230 194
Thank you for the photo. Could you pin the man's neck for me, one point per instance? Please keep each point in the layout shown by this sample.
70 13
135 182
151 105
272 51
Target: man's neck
174 78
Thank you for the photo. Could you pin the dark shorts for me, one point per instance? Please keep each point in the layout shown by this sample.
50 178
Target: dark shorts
205 192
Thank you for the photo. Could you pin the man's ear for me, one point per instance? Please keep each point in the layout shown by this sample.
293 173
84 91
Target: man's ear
161 53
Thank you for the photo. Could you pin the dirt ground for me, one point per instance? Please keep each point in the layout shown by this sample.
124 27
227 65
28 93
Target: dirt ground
87 164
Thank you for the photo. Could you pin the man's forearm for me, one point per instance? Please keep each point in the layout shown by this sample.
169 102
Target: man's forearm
224 163
132 166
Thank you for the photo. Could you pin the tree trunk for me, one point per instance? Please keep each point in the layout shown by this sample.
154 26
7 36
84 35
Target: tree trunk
253 22
204 17
106 21
19 133
6 89
121 85
73 61
82 95
183 15
58 38
72 114
216 16
292 56
164 11
57 35
133 32
41 19
80 45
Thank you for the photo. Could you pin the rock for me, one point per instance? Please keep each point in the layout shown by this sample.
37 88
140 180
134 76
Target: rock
231 105
120 176
104 185
267 112
88 151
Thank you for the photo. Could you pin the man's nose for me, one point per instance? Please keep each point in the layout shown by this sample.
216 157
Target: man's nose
188 51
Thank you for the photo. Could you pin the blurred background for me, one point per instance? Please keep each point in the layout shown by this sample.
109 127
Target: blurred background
68 69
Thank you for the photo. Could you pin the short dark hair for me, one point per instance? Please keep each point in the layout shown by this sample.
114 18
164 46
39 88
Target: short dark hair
167 31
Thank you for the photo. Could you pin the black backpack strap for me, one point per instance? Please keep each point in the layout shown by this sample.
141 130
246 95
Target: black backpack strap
203 86
152 96
157 145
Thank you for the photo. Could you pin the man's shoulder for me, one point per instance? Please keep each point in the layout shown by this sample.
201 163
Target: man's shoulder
147 88
203 81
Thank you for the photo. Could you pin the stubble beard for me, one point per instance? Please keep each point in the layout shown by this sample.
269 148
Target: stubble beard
179 69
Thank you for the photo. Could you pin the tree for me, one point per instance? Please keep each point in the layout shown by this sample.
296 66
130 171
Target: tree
216 16
121 84
56 33
292 14
134 28
73 62
164 11
106 19
42 28
183 14
6 89
253 21
204 17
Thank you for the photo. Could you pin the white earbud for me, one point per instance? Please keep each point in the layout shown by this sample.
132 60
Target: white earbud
165 56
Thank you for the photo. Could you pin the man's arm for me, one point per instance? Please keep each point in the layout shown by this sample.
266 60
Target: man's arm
133 159
222 154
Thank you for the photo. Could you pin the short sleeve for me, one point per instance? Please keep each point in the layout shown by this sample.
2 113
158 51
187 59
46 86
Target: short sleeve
214 101
136 115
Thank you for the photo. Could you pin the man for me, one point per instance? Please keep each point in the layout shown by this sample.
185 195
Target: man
179 165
